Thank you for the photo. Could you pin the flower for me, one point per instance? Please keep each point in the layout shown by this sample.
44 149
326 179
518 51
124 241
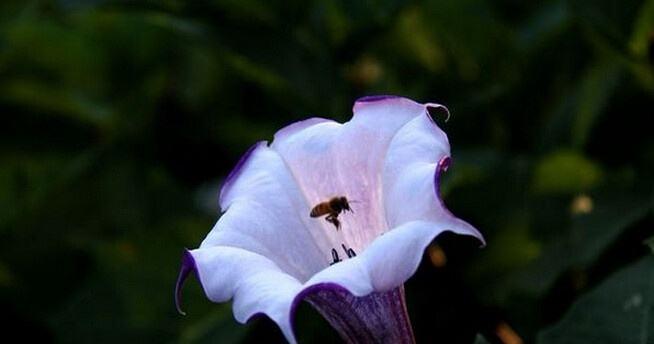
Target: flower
267 254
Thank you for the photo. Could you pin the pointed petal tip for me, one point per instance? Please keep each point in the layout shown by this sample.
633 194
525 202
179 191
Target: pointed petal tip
287 326
482 240
443 164
477 235
188 265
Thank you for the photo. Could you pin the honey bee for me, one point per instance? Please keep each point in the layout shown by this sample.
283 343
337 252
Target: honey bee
332 208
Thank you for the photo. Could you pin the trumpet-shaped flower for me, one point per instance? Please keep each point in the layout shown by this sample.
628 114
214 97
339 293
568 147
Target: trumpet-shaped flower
268 254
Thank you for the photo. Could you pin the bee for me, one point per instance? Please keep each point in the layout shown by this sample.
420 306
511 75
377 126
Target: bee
332 208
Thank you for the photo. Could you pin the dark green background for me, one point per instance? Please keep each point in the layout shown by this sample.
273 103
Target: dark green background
121 118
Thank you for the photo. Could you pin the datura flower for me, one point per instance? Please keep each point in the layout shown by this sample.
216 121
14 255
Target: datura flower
338 215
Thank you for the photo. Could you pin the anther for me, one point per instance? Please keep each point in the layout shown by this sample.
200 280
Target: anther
335 257
350 252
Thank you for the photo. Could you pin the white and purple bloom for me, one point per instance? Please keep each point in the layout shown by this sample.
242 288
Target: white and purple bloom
268 255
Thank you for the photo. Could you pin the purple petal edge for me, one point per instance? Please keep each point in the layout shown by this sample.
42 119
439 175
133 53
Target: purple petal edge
188 265
379 317
231 177
304 293
368 99
390 100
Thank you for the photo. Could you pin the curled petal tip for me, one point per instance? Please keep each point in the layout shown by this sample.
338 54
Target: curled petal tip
439 107
444 164
188 265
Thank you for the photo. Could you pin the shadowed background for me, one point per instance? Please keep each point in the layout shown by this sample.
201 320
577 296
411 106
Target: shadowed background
120 119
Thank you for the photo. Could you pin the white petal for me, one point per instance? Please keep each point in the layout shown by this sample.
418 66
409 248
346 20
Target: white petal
293 128
267 214
387 262
258 286
255 283
417 155
328 159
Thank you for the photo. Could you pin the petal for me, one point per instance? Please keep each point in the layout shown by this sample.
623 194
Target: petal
188 266
256 284
358 286
266 214
387 262
236 172
329 159
293 128
416 157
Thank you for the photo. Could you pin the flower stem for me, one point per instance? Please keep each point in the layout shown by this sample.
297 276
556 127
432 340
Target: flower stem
380 317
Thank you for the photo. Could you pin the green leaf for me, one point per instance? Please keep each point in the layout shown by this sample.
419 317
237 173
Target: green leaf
618 311
588 236
512 247
6 276
610 19
595 90
419 43
44 98
254 72
565 172
643 29
650 243
545 24
481 340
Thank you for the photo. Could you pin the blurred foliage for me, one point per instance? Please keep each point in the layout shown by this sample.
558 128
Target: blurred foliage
121 117
618 311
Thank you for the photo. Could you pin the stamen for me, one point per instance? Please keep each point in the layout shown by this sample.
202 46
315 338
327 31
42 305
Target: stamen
350 252
335 257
